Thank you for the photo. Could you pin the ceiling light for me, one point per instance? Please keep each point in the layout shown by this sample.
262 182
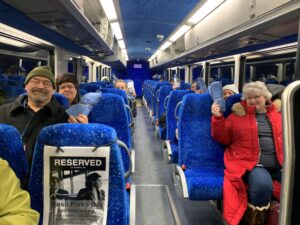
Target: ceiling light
157 52
179 32
165 45
117 30
12 42
205 9
124 51
121 44
109 9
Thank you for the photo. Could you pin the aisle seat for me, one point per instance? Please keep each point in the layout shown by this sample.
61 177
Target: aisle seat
164 91
95 135
110 111
170 147
200 158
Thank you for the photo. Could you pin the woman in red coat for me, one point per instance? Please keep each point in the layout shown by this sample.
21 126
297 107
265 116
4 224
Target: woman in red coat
253 157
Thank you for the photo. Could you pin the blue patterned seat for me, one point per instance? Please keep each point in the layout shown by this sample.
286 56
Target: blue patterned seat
88 87
231 100
102 84
171 123
62 100
116 91
164 91
110 111
82 92
82 135
123 94
155 92
200 157
11 149
184 86
12 92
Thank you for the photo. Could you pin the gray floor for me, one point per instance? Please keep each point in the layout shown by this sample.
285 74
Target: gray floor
158 200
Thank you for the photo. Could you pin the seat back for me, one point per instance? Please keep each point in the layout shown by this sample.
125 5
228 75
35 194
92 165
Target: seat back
12 92
184 86
231 100
95 135
171 123
62 100
123 94
102 84
197 149
11 149
110 111
88 87
116 91
164 91
82 92
155 95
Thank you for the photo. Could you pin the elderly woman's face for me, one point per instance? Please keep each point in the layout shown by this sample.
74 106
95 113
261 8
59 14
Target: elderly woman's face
69 90
256 99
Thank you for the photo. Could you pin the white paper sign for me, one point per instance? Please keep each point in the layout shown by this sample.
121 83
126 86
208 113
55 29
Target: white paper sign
76 185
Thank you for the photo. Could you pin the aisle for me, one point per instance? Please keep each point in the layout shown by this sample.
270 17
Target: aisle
156 198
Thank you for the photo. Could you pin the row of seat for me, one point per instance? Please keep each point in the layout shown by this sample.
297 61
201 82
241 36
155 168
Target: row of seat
197 158
95 135
111 113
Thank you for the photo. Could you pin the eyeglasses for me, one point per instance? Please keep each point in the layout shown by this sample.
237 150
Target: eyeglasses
37 82
254 97
68 86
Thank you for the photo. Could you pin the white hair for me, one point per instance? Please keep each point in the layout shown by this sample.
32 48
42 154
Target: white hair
256 86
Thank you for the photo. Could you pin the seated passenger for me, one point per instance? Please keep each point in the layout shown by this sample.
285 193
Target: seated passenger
195 87
67 84
228 90
254 155
36 110
121 84
56 192
14 202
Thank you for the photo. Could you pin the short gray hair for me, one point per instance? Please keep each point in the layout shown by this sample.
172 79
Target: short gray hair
256 86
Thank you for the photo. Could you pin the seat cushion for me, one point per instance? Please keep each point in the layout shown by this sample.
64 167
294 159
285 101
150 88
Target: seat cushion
204 184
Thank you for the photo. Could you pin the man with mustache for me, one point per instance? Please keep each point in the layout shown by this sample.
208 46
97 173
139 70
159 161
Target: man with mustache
36 110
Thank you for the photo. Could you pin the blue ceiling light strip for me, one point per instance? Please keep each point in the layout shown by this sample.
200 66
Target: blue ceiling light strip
16 19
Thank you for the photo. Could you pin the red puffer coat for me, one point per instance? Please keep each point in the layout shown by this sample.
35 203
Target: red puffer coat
240 133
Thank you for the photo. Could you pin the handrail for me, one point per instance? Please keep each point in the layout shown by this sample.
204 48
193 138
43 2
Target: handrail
286 198
130 114
175 112
156 95
122 144
166 101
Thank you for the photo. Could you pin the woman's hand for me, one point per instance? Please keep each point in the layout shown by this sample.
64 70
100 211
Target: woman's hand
216 110
78 119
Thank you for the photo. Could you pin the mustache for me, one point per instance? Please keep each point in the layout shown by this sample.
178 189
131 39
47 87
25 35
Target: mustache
39 90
